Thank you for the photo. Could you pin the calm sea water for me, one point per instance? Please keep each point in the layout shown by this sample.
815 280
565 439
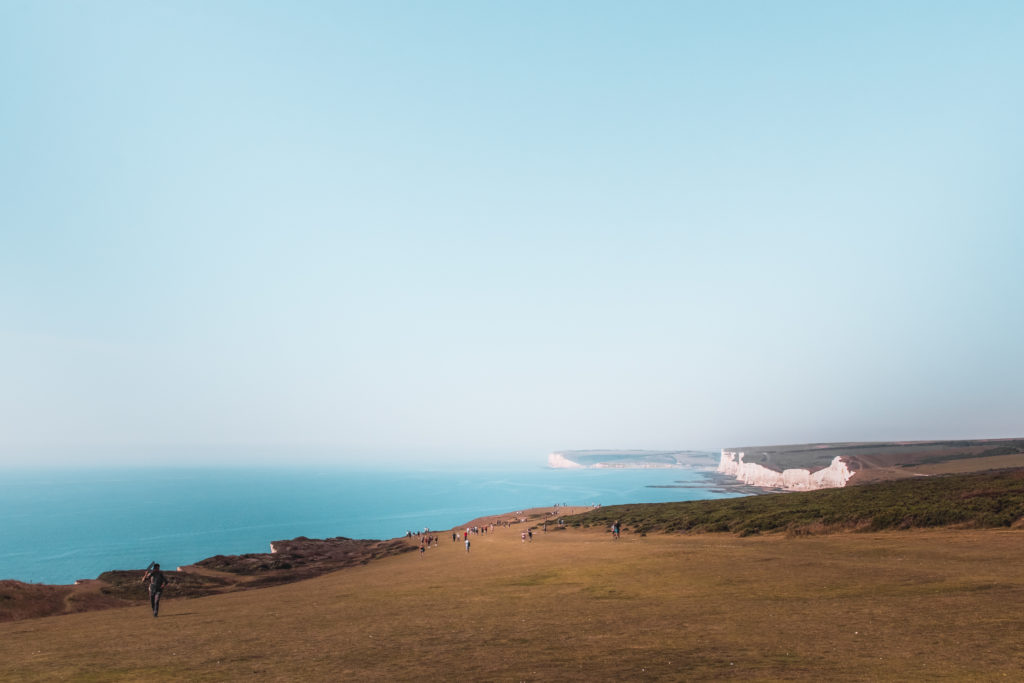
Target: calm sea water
58 526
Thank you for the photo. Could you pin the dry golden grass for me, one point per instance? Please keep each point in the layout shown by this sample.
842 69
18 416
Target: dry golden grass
575 605
994 462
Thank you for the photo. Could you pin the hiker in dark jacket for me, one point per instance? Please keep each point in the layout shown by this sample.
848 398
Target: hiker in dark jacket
157 580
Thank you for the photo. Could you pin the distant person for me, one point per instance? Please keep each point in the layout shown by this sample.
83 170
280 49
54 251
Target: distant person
523 536
529 535
157 580
467 544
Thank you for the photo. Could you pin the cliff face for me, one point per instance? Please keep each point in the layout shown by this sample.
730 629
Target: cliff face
559 461
834 476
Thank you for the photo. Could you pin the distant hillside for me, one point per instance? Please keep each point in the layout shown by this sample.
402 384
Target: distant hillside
875 461
629 459
984 499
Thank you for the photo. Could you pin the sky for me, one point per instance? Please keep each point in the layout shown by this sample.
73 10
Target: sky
426 231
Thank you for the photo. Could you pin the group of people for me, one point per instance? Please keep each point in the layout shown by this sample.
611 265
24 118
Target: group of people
430 540
426 541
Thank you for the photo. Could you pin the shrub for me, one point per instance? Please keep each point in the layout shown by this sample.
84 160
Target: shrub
985 499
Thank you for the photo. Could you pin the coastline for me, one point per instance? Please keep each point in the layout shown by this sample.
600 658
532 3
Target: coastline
288 561
70 525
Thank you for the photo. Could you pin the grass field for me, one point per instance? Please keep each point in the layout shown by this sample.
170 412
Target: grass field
576 605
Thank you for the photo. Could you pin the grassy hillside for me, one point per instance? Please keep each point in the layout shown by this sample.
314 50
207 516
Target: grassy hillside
985 499
294 560
871 461
577 606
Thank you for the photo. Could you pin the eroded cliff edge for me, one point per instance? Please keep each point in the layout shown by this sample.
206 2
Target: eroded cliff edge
805 467
837 474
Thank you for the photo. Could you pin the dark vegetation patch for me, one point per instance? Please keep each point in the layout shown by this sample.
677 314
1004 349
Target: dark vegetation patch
19 600
303 558
975 500
295 560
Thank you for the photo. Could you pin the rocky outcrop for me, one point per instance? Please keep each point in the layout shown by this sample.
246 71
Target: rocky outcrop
834 476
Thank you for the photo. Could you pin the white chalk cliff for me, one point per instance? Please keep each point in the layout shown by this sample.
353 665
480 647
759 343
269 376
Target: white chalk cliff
561 462
834 476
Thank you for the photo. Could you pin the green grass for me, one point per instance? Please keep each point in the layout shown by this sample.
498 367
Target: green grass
977 500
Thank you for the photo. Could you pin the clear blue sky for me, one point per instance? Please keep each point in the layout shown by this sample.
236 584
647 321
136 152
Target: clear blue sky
461 229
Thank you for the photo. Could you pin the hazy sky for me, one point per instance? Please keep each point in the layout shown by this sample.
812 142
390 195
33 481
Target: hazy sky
418 229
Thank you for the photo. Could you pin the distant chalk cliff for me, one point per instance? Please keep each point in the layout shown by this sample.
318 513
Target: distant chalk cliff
802 467
630 459
559 461
794 479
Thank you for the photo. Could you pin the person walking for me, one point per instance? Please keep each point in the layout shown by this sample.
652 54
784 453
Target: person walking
157 580
467 544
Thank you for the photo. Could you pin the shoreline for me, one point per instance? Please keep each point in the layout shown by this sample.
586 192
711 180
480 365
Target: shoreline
289 561
92 528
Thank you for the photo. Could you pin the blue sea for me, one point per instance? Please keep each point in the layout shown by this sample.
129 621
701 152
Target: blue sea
57 526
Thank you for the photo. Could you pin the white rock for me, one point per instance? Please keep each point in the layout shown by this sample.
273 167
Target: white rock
834 476
559 461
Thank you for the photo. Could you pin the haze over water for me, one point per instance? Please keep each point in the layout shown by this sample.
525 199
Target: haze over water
465 227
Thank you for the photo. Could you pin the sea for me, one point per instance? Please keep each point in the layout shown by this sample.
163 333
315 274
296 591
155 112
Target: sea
60 525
